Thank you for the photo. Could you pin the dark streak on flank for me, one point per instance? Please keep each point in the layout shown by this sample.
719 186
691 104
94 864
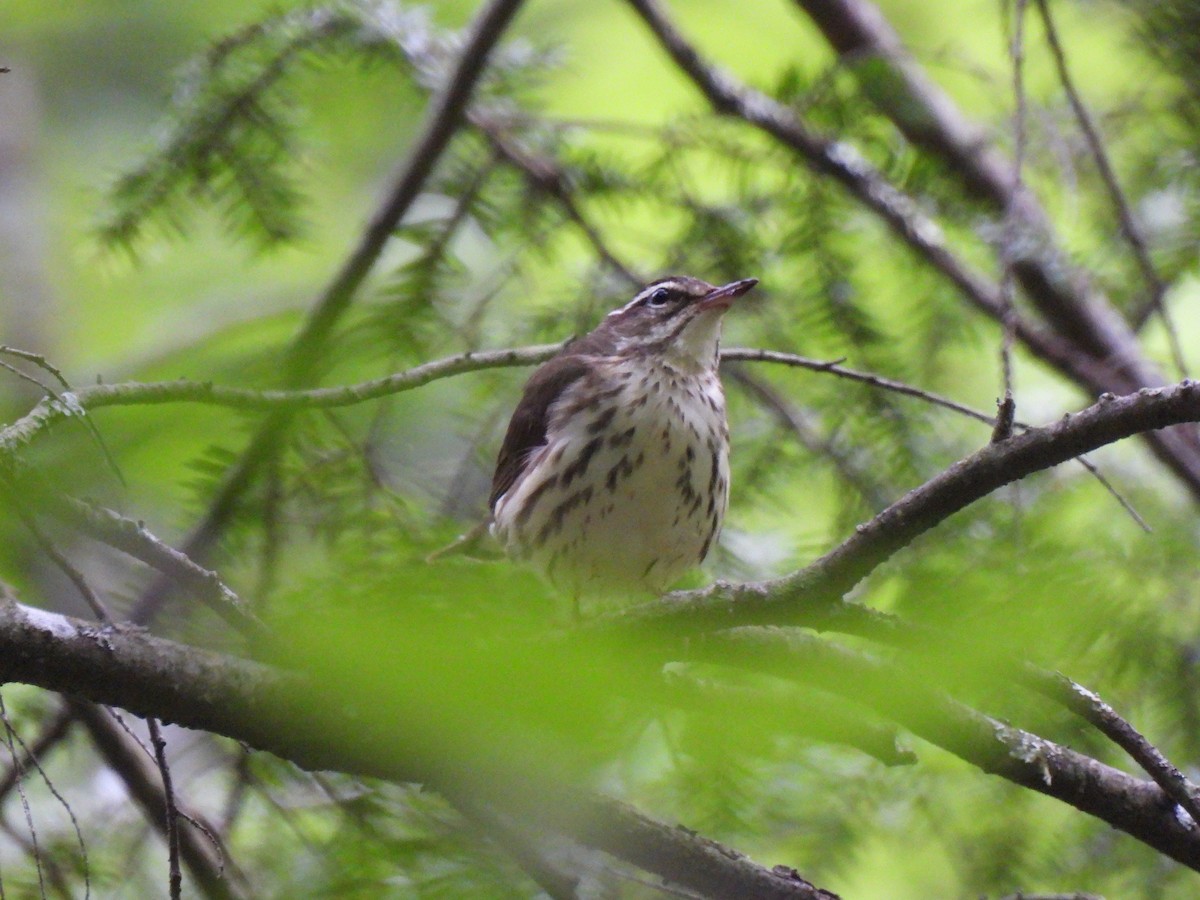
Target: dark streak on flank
577 468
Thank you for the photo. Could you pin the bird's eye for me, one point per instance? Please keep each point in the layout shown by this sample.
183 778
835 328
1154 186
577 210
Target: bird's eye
659 298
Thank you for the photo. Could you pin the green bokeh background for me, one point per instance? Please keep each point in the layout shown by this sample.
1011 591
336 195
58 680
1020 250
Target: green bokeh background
1053 569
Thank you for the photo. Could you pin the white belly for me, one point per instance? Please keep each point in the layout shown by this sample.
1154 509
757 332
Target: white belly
625 501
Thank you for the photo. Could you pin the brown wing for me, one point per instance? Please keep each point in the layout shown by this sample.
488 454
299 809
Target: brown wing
527 428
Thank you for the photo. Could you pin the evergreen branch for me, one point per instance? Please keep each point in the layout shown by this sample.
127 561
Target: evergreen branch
200 147
834 367
50 411
858 29
54 730
300 364
262 706
835 159
1089 343
547 176
442 121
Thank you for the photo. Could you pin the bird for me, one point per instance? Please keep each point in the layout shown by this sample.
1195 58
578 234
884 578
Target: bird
613 476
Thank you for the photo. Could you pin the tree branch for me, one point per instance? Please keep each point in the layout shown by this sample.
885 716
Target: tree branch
144 786
441 122
546 176
49 412
1092 709
1129 228
1091 344
858 30
815 592
292 717
1138 807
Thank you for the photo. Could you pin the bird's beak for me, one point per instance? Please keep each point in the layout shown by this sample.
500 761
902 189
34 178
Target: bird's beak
722 298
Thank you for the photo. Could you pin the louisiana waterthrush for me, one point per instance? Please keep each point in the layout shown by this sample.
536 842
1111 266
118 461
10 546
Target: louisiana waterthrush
613 478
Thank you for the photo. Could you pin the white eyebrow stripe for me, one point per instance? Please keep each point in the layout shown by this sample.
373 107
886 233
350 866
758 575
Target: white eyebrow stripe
670 284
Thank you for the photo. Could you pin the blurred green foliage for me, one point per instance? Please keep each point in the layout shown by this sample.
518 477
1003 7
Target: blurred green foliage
202 170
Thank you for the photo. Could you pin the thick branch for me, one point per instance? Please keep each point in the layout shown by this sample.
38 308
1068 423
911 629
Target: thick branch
1137 807
279 712
1091 708
813 592
899 87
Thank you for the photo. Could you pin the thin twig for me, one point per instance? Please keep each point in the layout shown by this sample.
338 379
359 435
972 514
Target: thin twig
31 759
1128 225
1006 409
53 731
182 391
547 176
1089 706
835 367
1108 486
136 393
90 597
9 735
66 400
133 762
169 810
24 376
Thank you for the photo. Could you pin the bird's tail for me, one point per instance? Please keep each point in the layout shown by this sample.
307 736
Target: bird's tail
477 543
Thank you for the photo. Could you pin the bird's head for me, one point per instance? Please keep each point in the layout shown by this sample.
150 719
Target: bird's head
678 316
